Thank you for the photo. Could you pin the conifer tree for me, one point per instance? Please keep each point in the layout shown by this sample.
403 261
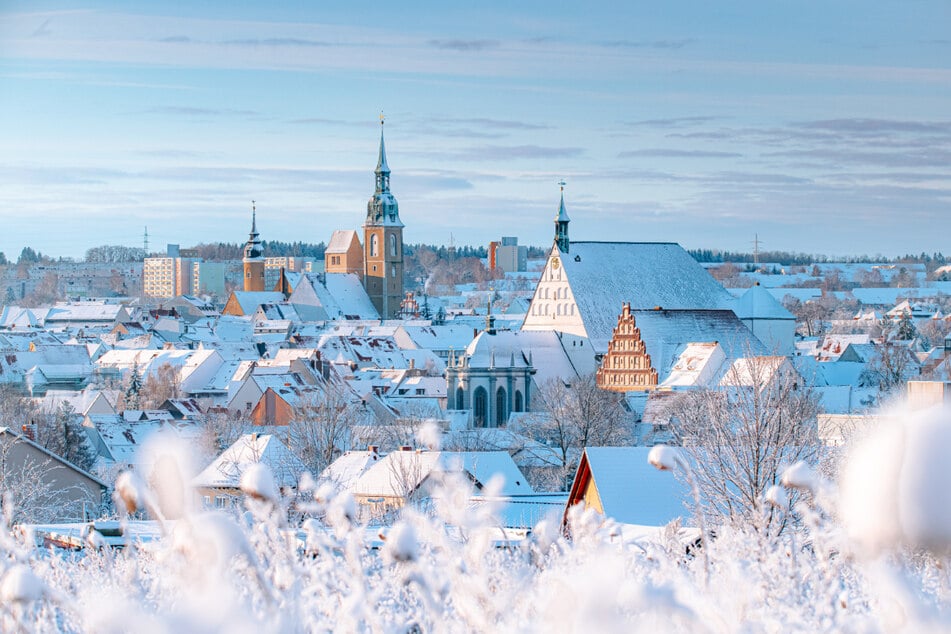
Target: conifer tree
134 388
906 327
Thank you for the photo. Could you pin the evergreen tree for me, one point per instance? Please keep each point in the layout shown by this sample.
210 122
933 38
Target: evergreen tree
134 388
906 327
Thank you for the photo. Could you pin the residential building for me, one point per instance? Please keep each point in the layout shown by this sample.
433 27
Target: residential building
344 254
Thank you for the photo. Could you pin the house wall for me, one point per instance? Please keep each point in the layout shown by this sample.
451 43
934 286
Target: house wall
73 488
778 335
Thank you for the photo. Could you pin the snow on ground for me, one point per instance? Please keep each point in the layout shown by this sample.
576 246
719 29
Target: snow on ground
448 568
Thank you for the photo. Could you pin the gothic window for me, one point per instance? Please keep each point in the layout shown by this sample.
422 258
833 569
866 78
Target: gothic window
500 410
392 270
393 245
479 402
374 245
460 398
518 401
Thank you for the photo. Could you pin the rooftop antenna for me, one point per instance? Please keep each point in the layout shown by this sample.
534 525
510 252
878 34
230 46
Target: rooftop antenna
145 240
756 243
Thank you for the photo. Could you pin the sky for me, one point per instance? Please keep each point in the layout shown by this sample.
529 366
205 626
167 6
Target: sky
815 127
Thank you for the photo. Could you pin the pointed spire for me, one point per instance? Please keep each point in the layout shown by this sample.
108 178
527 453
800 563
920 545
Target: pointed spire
382 184
561 222
252 249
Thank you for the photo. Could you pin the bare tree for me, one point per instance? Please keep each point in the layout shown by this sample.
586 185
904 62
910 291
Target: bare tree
322 426
740 439
158 387
221 430
572 416
29 493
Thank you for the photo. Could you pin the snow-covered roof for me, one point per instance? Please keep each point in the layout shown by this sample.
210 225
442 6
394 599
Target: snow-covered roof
665 332
756 371
697 365
541 349
603 275
341 240
329 296
227 469
634 492
343 472
249 301
400 473
759 303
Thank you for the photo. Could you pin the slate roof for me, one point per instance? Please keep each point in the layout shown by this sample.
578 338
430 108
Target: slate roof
341 240
401 472
227 469
665 332
759 303
603 275
634 492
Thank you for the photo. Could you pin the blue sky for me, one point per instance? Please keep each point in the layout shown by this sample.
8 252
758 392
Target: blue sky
821 127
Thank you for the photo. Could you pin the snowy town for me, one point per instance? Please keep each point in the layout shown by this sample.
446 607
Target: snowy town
495 317
555 393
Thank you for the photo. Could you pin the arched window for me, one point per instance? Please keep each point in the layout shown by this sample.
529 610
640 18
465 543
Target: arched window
392 270
393 245
460 398
479 402
518 401
374 245
501 413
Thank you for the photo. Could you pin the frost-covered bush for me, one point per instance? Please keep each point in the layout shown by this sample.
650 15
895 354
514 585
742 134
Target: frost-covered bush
443 570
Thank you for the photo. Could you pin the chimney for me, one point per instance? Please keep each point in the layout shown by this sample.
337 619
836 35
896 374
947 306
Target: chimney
405 448
373 449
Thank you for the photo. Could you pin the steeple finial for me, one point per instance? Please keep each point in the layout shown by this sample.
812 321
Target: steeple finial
254 218
382 169
561 222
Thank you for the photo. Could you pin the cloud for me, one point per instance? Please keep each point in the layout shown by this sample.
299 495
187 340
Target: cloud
513 152
660 44
275 41
877 126
495 124
43 30
177 39
660 152
187 111
464 45
673 122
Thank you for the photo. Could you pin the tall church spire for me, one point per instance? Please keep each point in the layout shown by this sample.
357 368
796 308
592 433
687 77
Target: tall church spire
253 257
382 169
253 250
383 242
382 208
561 223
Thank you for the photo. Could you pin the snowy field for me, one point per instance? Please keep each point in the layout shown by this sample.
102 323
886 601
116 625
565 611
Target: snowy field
868 553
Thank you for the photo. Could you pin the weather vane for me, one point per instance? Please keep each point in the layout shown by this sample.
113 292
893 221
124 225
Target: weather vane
381 117
562 184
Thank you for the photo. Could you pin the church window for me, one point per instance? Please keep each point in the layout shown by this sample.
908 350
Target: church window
500 410
518 401
392 270
460 398
374 245
393 246
479 402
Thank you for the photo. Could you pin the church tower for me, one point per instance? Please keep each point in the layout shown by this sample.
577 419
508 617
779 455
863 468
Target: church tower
253 258
383 243
561 223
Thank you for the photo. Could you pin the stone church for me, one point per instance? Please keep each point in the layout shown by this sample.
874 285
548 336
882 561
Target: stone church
377 264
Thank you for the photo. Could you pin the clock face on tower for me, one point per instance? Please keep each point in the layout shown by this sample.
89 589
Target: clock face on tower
555 263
